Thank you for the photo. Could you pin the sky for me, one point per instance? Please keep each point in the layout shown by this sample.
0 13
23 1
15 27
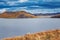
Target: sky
32 6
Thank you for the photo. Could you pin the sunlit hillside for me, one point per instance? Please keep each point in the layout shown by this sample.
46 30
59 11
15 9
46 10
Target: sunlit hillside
20 14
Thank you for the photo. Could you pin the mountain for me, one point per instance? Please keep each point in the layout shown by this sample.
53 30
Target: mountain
48 35
20 14
46 14
56 16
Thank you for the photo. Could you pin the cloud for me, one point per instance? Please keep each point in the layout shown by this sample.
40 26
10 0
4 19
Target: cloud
33 6
45 3
23 1
56 10
12 3
8 2
14 9
2 4
50 0
2 10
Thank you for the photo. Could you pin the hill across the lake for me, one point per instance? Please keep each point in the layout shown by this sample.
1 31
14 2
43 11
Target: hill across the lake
20 14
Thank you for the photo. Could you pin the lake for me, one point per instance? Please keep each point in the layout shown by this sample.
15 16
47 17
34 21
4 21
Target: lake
16 27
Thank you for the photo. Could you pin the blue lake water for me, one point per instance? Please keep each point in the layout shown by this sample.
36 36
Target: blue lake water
16 27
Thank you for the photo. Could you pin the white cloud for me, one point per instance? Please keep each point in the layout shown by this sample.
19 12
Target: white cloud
2 10
31 11
11 3
23 1
50 0
34 6
16 9
44 10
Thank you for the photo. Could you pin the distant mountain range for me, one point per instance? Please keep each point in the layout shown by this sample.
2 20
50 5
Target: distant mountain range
53 15
38 14
20 14
56 16
24 14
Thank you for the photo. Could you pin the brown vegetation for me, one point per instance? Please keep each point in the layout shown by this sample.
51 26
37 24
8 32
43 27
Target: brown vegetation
21 14
48 35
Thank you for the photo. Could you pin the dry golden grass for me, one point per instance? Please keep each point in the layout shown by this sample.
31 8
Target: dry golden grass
48 35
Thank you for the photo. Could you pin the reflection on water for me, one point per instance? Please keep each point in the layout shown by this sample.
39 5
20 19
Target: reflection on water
15 27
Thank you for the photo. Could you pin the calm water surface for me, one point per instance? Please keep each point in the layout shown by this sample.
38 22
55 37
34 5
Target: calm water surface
16 27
